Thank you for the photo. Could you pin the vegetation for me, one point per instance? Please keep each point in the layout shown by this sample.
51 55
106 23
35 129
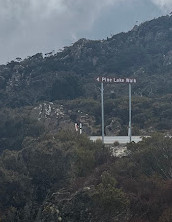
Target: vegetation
48 172
132 188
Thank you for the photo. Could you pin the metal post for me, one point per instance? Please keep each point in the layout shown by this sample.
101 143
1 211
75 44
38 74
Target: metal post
80 128
129 129
102 106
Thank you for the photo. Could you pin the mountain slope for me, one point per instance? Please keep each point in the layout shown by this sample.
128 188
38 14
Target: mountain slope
145 52
34 92
47 174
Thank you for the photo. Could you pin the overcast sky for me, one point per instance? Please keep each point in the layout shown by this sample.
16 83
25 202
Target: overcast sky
31 26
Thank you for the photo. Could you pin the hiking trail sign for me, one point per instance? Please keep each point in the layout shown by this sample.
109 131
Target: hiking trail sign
115 80
102 80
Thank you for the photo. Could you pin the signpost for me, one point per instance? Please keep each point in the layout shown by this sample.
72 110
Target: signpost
129 127
102 106
116 80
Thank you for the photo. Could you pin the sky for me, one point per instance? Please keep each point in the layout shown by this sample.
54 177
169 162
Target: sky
28 27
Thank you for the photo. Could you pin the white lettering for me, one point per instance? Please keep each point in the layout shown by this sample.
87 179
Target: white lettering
127 80
116 80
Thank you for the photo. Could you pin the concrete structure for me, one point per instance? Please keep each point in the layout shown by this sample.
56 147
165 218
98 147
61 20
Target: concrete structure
119 139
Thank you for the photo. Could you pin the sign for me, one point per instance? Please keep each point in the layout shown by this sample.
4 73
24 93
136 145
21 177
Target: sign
76 127
115 80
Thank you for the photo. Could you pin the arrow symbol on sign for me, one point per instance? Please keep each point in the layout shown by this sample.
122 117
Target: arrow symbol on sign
98 79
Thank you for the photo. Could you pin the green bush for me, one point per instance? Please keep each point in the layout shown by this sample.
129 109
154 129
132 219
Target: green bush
108 196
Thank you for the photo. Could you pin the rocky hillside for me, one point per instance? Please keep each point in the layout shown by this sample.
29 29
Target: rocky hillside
48 93
49 173
145 53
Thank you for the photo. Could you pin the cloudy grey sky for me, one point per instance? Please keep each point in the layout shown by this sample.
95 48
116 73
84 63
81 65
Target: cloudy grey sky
31 26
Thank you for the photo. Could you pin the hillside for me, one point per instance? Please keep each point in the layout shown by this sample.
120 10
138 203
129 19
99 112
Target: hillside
144 52
68 178
59 89
48 172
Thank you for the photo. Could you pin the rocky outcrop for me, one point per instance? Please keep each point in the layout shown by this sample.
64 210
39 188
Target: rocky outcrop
113 128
